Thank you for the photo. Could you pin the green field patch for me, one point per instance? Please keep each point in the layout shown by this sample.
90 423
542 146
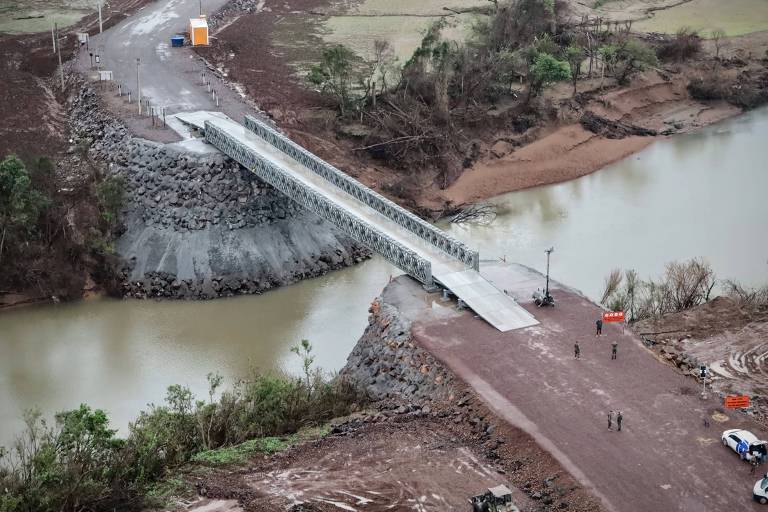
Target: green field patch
404 33
241 453
735 17
39 15
402 23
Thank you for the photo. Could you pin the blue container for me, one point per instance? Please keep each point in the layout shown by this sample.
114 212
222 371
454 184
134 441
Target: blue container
177 41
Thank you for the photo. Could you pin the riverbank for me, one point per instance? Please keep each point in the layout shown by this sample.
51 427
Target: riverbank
59 260
253 53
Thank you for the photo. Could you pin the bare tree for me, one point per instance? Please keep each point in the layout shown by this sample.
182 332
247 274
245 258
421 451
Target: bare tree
718 39
690 283
483 213
612 285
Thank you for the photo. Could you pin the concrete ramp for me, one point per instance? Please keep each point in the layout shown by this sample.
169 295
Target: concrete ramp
490 303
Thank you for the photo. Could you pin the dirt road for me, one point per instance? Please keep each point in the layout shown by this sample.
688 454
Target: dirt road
664 458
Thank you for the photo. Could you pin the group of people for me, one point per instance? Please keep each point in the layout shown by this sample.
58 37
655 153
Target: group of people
614 348
598 332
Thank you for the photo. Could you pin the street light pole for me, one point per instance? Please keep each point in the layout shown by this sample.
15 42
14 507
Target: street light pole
138 82
548 251
201 7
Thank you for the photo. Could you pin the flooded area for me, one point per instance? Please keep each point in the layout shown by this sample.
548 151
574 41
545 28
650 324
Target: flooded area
694 195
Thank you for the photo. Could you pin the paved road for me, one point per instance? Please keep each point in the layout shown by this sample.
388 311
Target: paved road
169 76
663 460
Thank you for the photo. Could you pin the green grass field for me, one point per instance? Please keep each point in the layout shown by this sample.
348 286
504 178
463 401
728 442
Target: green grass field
400 22
64 12
735 17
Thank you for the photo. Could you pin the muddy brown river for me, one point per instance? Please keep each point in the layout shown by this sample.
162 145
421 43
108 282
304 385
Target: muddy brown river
696 195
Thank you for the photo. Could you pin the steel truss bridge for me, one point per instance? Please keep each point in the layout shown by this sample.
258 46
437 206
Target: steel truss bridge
417 247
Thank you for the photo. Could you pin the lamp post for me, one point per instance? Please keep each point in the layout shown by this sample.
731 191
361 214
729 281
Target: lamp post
546 290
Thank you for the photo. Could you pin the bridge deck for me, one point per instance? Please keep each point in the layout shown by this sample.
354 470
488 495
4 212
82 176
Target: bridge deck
486 300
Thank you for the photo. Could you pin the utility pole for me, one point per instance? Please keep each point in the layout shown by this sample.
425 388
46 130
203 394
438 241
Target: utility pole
58 47
138 82
201 7
53 36
101 27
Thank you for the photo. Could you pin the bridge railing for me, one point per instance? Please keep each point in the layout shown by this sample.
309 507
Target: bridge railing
401 256
351 186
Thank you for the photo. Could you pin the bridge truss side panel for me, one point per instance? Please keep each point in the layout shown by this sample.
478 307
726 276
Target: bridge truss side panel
351 186
399 255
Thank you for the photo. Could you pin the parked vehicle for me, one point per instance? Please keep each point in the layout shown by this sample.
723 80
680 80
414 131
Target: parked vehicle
760 491
746 444
495 499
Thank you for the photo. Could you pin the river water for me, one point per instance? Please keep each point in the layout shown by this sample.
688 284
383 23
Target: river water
702 194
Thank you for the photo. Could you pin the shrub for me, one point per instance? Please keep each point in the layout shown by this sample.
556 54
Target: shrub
80 465
685 44
683 286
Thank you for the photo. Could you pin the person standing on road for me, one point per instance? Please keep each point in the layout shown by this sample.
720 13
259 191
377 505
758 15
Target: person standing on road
614 346
754 462
610 420
619 419
599 326
576 350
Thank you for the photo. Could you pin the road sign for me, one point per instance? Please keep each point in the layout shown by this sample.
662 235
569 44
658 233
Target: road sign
737 401
613 316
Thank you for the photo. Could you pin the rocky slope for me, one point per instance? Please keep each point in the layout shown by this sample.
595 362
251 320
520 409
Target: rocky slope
198 226
387 364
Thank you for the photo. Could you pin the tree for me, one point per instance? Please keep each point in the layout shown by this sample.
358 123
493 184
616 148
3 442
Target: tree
334 76
546 70
633 56
574 55
718 39
304 351
20 204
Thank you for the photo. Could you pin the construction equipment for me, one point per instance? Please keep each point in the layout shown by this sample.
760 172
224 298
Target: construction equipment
495 499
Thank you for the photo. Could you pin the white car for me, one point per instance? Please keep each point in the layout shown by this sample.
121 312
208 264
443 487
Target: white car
760 491
745 443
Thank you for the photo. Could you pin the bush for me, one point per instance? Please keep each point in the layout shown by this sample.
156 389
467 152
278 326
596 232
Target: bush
110 193
683 286
20 204
685 44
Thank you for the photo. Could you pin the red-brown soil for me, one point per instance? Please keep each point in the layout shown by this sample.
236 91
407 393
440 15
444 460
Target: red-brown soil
430 461
665 457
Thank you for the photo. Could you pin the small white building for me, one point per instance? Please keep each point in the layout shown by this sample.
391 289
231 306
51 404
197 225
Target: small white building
198 31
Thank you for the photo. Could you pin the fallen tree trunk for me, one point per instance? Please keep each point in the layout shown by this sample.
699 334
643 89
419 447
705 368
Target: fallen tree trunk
612 129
